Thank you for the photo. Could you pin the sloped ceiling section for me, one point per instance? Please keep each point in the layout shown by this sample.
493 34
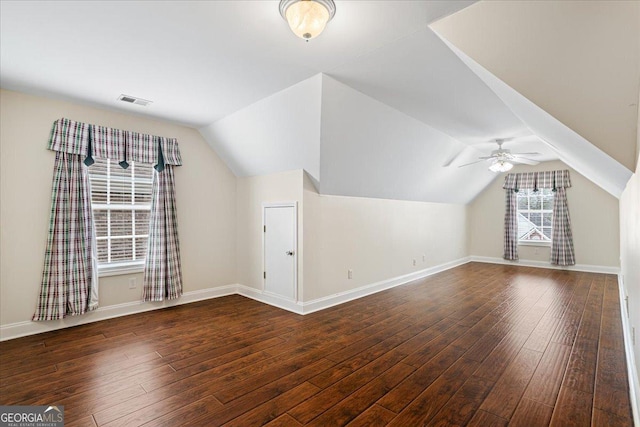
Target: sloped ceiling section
369 149
571 148
577 60
278 133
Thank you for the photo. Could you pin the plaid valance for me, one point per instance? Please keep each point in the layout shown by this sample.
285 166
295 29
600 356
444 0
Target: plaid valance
536 180
89 140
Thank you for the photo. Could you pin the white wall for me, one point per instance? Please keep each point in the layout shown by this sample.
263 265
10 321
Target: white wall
278 133
369 149
205 192
630 247
252 193
376 238
594 219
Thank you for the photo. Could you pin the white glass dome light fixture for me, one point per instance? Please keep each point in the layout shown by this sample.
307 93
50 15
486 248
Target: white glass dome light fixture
499 165
307 18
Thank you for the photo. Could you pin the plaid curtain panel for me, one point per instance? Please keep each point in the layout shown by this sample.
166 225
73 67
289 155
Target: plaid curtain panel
511 226
561 237
162 270
68 277
69 280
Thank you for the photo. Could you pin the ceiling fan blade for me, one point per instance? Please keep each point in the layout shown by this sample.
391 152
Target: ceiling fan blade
486 157
454 157
526 154
472 163
525 161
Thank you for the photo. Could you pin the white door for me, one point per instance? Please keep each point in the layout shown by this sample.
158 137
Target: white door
280 250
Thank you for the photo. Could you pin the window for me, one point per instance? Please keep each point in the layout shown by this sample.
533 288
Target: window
121 202
535 213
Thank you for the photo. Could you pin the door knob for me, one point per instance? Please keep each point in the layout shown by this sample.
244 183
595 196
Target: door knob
290 253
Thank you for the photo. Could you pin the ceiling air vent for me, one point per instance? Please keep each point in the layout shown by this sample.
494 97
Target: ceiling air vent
133 100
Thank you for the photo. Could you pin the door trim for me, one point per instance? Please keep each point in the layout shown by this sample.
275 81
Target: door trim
294 205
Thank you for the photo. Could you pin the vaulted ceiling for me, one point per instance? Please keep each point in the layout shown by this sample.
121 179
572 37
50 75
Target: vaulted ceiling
380 105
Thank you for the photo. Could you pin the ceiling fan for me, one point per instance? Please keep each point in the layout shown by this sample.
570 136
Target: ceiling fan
503 159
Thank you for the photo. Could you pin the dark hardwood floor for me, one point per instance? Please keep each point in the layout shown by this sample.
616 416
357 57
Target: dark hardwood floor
478 345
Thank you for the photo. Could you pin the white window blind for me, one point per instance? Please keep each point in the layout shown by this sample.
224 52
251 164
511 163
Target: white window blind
121 202
535 215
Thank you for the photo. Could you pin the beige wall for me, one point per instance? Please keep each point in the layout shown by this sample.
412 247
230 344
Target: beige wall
376 238
577 60
594 219
252 193
205 191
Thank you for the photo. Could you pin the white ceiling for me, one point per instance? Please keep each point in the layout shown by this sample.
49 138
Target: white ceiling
376 106
198 61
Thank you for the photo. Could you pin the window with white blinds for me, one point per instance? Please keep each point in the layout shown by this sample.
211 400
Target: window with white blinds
121 202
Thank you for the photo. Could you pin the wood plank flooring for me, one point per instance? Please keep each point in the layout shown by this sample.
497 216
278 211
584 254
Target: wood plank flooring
478 345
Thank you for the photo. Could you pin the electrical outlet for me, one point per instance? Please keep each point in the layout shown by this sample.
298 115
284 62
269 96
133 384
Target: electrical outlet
424 258
349 274
133 283
414 261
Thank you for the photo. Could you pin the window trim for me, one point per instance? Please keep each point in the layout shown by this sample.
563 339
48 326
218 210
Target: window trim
541 243
120 268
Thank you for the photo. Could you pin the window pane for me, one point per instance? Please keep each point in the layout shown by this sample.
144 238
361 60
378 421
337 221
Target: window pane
99 169
98 191
523 202
535 202
120 192
100 221
142 222
548 203
143 172
121 223
546 219
547 232
103 253
141 248
143 192
536 218
121 250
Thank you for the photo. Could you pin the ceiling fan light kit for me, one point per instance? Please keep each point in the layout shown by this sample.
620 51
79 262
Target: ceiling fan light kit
502 159
307 18
500 166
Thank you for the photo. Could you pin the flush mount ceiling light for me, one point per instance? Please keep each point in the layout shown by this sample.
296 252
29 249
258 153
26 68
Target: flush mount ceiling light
500 166
307 18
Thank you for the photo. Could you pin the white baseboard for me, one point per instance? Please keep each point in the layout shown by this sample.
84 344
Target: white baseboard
545 264
632 371
21 329
270 299
342 297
